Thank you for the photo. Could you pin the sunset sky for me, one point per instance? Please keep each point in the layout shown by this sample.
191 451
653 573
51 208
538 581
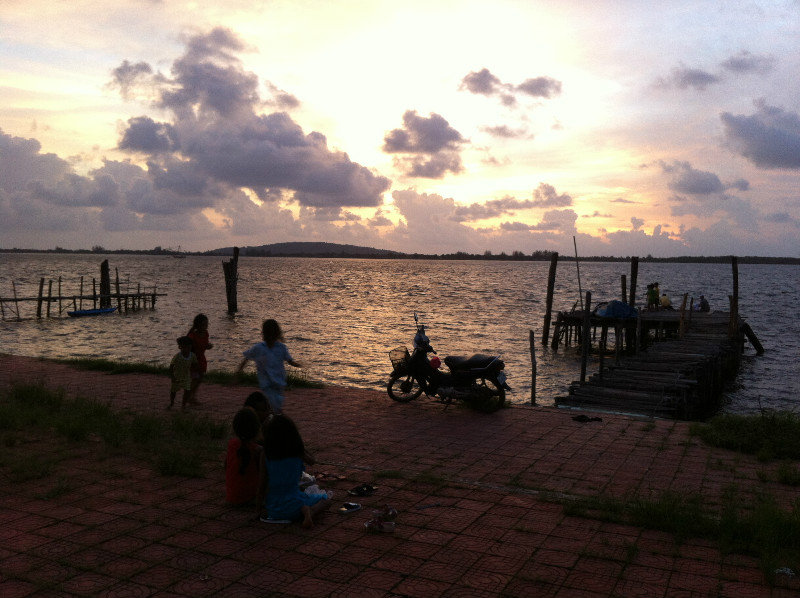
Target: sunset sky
664 128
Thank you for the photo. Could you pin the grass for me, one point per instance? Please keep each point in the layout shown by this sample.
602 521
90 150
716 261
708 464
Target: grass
176 444
758 527
294 379
771 435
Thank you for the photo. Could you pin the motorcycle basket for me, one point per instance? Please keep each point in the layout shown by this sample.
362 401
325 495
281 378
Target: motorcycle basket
399 357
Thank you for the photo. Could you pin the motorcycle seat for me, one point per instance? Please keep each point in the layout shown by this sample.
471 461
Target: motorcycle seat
478 361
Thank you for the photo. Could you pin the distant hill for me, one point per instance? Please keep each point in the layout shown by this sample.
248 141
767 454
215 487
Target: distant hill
307 249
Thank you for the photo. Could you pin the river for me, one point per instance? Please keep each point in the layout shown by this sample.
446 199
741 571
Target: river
342 316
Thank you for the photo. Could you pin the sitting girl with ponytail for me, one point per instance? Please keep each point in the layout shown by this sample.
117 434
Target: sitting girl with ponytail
242 459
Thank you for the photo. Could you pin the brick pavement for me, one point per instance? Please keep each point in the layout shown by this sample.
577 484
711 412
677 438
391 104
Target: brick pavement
472 491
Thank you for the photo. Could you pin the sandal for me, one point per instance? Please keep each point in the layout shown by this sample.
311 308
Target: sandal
363 490
386 514
377 526
350 507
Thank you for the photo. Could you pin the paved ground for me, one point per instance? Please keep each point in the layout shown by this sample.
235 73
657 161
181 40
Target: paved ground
472 491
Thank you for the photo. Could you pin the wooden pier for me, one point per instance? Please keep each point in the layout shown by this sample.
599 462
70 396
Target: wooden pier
677 374
664 363
57 303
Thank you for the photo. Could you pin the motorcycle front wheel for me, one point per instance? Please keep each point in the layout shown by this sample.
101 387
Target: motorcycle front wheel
403 388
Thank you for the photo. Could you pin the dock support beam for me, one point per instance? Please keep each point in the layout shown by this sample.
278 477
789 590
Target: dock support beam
230 268
551 283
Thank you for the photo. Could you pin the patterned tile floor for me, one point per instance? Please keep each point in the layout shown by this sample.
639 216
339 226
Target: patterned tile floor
472 491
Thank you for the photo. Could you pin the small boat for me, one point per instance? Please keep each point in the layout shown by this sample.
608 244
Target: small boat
79 313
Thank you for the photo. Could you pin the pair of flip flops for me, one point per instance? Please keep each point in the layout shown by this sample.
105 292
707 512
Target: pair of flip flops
363 490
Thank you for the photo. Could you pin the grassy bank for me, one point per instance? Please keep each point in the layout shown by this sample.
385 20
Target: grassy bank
294 379
175 444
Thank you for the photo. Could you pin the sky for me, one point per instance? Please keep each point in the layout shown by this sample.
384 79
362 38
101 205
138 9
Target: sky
619 127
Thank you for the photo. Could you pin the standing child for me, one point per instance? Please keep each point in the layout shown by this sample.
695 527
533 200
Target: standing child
282 466
199 335
181 368
242 460
269 358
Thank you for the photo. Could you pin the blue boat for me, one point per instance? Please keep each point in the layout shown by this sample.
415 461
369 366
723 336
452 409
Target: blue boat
79 313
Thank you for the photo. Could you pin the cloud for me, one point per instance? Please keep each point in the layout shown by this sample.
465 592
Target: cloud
484 82
746 62
505 132
546 196
218 130
683 77
623 200
636 223
685 179
145 135
540 87
481 82
431 145
770 138
490 209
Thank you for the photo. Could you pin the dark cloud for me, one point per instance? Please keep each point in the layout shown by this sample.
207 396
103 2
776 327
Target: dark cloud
128 75
422 135
431 146
540 87
770 138
484 82
218 136
145 135
636 223
546 196
685 179
481 82
622 200
745 62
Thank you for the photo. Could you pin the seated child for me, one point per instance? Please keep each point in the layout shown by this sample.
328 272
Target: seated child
242 459
282 466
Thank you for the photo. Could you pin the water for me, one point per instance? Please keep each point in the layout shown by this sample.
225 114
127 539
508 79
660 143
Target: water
342 316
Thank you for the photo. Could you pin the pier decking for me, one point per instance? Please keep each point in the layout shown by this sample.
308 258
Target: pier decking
676 366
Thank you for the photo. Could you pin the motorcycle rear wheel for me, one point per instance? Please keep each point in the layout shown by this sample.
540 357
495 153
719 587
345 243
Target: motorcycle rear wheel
403 388
491 398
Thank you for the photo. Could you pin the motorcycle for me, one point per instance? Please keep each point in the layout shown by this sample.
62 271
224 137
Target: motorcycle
479 380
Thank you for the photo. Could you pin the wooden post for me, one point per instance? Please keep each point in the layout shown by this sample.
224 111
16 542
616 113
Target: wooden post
16 301
39 302
59 296
634 276
119 298
682 322
734 329
105 285
230 268
624 284
94 293
81 295
532 343
49 295
551 283
586 341
578 267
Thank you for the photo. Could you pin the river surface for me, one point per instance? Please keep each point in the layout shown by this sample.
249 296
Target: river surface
342 316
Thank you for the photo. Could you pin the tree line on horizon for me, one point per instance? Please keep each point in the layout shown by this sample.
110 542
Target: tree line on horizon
370 253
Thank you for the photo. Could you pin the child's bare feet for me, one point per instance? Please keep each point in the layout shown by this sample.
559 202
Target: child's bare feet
308 521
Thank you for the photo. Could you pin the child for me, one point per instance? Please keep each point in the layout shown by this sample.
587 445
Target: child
281 467
242 459
269 357
199 335
181 368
